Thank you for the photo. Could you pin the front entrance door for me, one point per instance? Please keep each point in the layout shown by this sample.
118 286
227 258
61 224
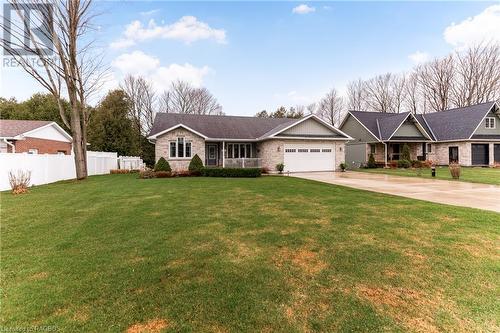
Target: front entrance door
453 154
212 155
395 152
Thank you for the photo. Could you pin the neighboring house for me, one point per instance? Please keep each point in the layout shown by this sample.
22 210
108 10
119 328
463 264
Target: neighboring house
468 135
306 144
33 137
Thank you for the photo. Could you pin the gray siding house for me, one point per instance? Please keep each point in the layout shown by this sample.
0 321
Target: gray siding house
468 135
306 144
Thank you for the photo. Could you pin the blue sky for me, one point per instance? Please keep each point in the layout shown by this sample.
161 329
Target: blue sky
260 55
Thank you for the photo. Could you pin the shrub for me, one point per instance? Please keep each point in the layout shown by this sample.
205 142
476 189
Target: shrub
232 172
455 170
404 164
280 167
119 171
416 164
427 164
343 166
405 154
185 173
19 182
196 165
134 170
162 165
371 162
147 174
163 174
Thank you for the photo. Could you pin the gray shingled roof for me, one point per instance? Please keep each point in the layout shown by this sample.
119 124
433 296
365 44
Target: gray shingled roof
453 124
457 124
227 127
10 128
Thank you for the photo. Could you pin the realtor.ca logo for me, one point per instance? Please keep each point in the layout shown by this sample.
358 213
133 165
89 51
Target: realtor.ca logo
27 29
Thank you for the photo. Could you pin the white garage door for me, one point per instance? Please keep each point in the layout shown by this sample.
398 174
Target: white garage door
309 157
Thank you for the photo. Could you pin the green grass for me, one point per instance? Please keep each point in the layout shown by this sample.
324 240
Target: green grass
273 254
468 174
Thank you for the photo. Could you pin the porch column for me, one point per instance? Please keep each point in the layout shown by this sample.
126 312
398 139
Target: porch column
223 154
385 153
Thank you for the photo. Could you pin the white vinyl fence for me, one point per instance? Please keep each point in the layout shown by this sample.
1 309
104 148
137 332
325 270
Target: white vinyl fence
130 162
49 168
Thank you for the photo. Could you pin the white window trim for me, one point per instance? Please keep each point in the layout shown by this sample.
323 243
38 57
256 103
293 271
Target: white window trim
184 142
489 121
233 145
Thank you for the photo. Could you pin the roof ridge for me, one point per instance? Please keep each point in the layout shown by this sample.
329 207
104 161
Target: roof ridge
461 107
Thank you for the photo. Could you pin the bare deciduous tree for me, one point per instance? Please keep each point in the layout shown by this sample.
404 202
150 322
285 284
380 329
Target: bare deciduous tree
412 93
435 79
378 93
143 102
398 93
183 98
477 75
60 56
356 95
330 107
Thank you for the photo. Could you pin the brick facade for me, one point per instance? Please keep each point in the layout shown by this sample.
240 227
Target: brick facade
440 153
162 147
44 146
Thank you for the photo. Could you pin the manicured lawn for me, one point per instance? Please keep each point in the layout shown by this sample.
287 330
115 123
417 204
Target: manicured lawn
473 175
274 254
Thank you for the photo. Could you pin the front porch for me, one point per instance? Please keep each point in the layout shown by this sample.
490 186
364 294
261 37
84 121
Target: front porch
387 152
232 155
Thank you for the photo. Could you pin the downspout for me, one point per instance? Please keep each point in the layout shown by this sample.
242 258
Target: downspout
10 144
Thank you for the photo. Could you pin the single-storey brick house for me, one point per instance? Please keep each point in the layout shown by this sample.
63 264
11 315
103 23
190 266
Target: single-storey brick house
33 137
468 135
306 144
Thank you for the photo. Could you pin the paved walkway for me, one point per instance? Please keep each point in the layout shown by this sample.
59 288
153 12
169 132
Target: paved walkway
456 193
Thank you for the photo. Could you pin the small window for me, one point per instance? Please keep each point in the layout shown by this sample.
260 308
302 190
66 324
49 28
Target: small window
490 123
326 150
290 150
373 149
314 150
173 149
33 151
188 149
429 147
302 150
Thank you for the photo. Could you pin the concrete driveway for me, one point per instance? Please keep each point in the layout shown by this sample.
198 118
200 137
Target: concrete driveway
456 193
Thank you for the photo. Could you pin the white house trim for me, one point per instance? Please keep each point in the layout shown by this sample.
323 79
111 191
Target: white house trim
482 119
419 127
54 124
366 128
153 137
311 116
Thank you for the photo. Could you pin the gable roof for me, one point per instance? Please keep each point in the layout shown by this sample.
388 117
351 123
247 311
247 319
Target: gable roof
10 128
453 124
459 123
225 127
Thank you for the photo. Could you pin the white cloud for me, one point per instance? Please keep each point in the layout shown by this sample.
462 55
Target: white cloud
187 29
293 97
419 57
303 9
149 12
473 30
139 63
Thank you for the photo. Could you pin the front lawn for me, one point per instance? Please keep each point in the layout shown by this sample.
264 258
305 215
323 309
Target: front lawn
469 174
273 254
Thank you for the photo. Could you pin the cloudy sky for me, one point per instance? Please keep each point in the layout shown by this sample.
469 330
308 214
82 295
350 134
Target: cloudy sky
260 55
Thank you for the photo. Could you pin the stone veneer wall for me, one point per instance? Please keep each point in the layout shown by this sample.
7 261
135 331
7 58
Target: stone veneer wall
268 151
162 147
440 155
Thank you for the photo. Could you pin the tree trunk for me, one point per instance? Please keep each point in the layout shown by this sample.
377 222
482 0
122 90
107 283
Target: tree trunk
79 145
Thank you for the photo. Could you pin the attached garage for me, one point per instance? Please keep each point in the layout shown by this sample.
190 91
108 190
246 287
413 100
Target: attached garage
309 157
497 153
480 154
